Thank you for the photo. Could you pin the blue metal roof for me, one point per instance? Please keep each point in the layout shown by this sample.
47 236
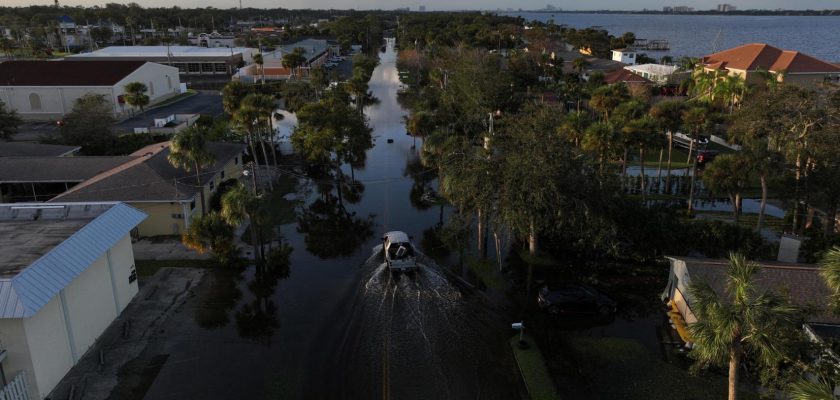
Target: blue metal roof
24 294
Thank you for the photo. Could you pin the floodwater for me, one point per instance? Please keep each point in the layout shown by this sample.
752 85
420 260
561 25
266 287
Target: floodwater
337 324
699 35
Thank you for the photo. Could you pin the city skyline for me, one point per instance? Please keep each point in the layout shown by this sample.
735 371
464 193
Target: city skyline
434 5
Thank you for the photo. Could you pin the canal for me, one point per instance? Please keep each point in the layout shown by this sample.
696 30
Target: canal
337 324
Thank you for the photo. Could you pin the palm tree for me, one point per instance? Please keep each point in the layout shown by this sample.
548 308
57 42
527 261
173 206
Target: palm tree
742 320
574 127
579 64
260 108
239 204
258 59
669 115
135 95
830 272
642 132
188 151
600 138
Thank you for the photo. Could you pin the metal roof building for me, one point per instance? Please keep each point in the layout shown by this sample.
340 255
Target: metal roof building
66 272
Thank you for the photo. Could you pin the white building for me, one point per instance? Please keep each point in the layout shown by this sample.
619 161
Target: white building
47 90
658 73
66 272
624 56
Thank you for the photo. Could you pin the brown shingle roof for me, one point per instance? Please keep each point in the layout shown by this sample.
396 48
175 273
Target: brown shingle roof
801 282
753 56
65 73
150 177
623 75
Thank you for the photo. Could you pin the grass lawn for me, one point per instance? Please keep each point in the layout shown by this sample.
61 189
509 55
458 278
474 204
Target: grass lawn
624 369
748 221
532 365
149 267
678 157
488 272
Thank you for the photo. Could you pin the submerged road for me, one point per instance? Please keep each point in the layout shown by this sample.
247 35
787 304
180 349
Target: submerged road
338 325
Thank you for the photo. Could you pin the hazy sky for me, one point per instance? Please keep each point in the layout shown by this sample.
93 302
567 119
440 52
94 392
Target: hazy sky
457 4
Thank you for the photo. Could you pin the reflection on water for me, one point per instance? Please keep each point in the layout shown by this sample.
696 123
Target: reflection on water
330 230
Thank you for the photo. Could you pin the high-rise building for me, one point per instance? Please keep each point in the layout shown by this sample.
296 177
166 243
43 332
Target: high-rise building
725 8
422 8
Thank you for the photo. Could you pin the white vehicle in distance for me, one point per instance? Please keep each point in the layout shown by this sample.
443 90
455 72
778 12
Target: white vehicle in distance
399 252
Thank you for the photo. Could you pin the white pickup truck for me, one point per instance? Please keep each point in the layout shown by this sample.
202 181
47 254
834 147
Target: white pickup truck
399 252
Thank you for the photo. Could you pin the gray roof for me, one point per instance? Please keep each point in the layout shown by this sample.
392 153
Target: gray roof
56 169
151 179
312 48
801 282
24 149
45 247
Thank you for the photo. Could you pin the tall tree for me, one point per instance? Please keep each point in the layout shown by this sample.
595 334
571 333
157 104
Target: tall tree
642 133
188 151
259 61
211 233
669 115
135 95
239 204
729 173
744 320
9 122
89 124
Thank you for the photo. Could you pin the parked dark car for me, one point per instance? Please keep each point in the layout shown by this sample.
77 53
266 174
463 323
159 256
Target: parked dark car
705 156
570 298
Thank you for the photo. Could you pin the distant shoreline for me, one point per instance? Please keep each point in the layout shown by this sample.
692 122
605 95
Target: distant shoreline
784 13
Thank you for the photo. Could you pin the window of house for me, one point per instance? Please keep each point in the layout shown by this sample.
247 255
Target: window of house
212 184
223 174
193 67
221 67
192 205
168 82
34 102
206 67
182 68
177 216
236 160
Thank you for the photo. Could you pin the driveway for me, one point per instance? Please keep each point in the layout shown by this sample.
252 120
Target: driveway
209 103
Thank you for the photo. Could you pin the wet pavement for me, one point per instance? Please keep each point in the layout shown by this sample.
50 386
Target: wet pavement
337 324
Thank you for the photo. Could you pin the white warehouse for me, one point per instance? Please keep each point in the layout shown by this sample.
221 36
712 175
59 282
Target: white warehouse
66 272
47 90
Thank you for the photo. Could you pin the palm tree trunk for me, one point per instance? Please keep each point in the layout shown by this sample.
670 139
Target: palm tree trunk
642 175
691 187
200 187
624 161
763 204
265 156
668 174
797 194
480 230
734 371
498 245
532 251
250 139
659 169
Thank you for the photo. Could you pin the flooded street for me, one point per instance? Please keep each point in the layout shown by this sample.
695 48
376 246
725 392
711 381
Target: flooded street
338 324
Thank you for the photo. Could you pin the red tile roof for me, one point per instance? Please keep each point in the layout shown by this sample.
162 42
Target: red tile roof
65 73
623 75
751 57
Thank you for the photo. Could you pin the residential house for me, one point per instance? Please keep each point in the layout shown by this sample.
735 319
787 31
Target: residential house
66 273
626 77
170 196
144 179
801 282
624 56
749 60
47 90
